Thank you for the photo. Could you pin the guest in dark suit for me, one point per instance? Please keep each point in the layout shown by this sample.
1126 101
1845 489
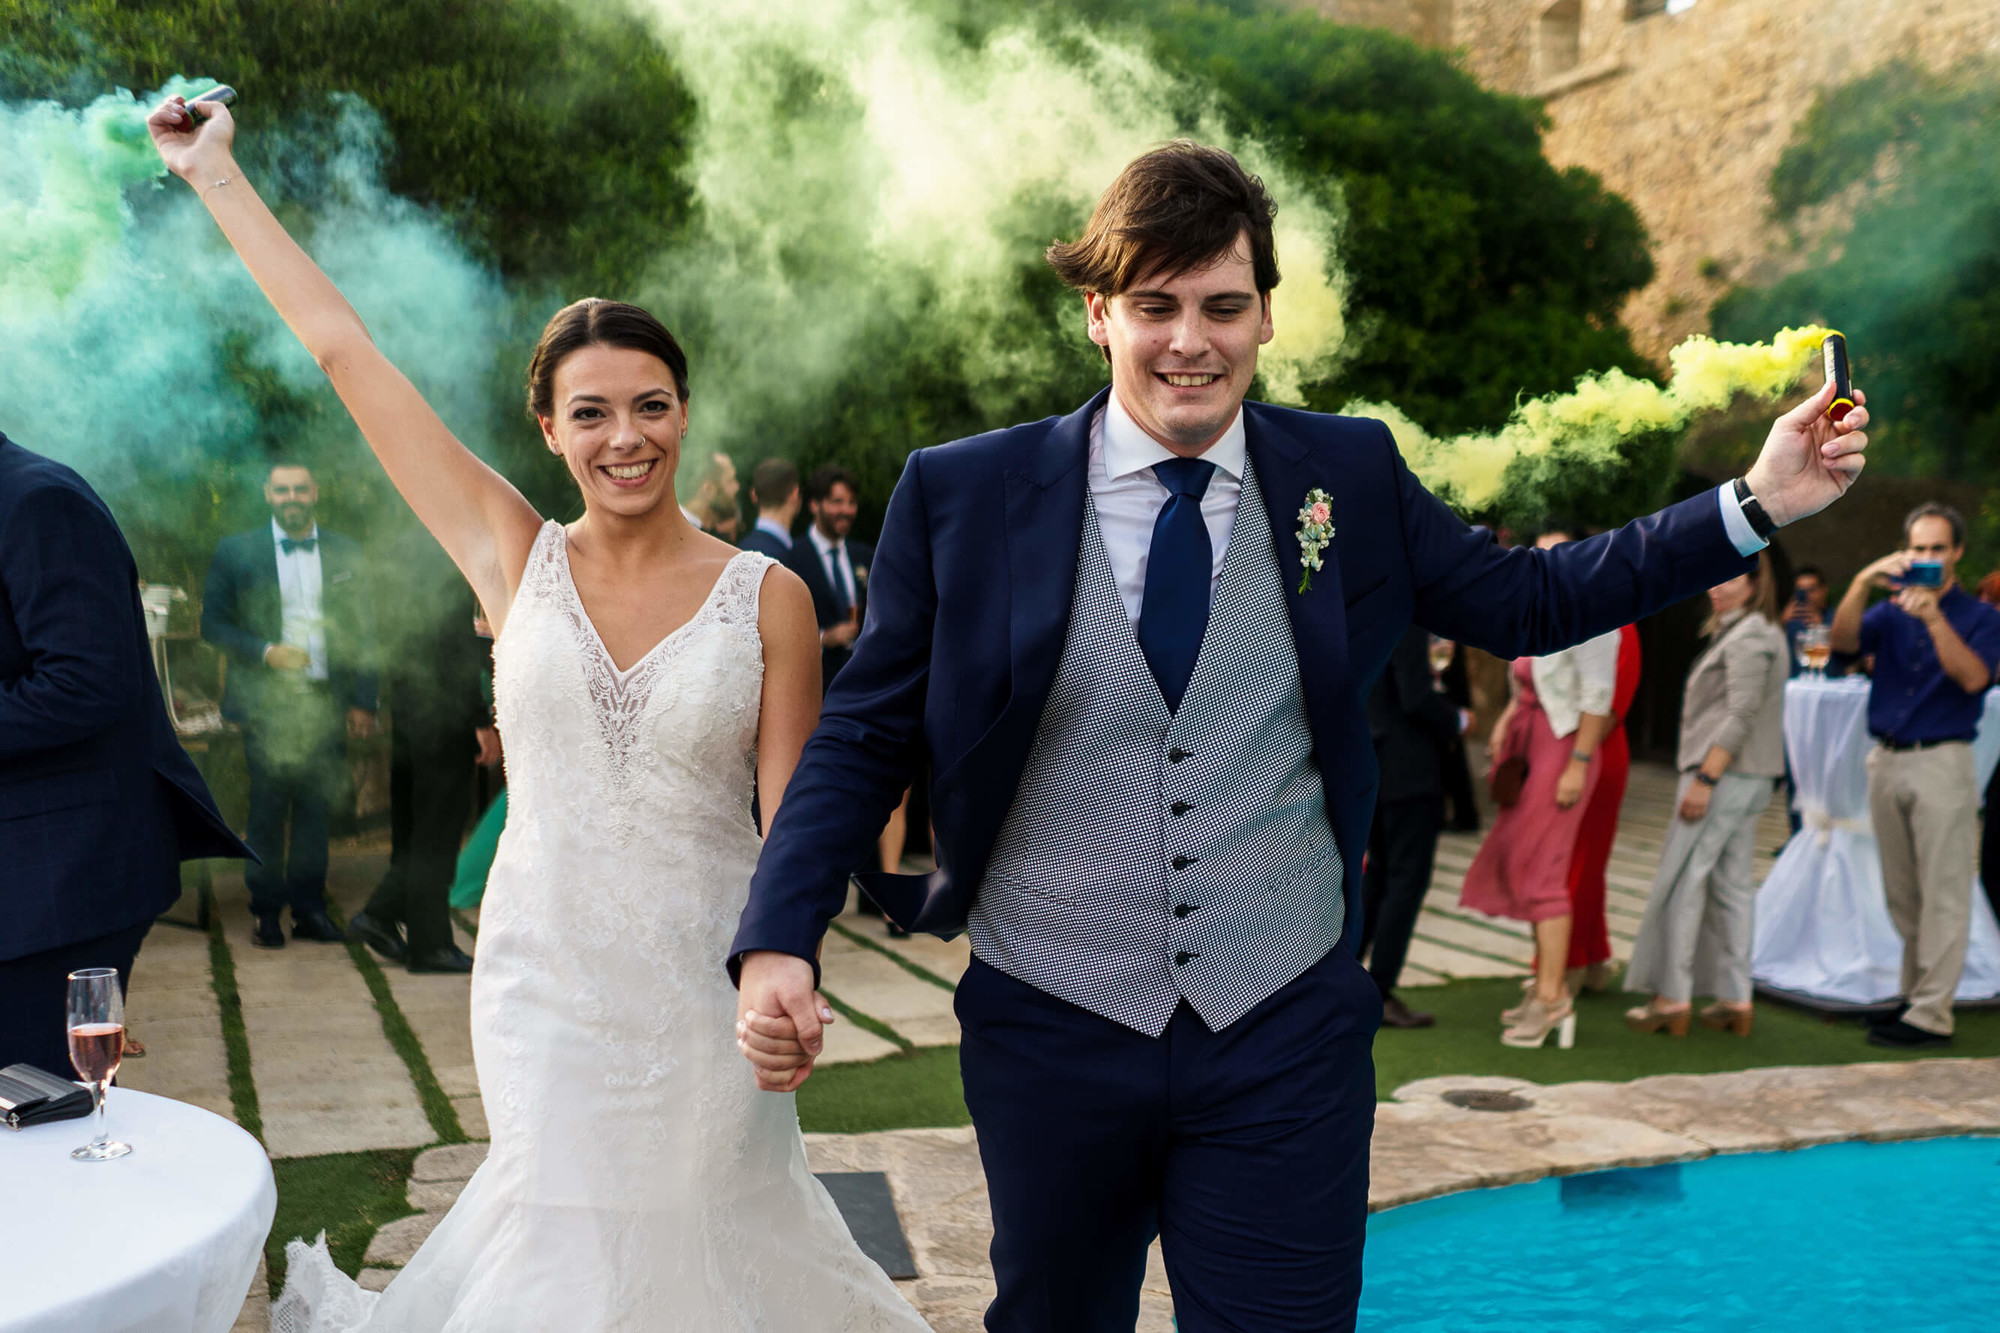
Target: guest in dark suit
439 726
1413 724
774 489
288 605
834 567
1461 810
99 804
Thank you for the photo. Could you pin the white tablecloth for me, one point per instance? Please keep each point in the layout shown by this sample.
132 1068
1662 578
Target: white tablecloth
165 1240
1823 928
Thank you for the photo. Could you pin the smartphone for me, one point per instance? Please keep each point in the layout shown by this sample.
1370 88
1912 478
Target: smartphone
1800 597
1923 574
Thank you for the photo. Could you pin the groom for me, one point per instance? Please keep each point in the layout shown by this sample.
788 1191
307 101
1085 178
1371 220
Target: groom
1154 777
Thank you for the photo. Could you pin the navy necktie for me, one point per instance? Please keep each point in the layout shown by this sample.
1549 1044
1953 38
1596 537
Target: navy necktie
302 544
1174 610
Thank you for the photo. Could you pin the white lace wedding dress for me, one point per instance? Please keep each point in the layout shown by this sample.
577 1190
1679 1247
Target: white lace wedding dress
637 1178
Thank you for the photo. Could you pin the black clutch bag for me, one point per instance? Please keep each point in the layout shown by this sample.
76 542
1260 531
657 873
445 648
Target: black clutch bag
31 1096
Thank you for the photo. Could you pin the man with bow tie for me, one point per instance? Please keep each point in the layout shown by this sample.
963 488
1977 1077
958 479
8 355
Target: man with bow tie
287 604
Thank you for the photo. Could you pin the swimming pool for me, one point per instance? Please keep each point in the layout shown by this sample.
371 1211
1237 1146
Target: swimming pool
1872 1238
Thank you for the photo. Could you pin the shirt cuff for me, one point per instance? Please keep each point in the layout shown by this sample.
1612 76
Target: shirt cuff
1741 534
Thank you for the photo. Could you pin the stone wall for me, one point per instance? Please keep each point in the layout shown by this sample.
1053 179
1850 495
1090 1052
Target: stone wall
1684 114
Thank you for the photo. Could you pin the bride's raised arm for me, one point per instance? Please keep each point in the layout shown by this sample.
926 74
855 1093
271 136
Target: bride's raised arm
485 525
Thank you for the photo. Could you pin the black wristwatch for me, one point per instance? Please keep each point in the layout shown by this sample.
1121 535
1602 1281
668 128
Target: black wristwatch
1703 778
1753 512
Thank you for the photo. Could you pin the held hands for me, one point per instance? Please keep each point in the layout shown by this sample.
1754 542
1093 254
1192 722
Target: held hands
1807 461
196 151
780 1020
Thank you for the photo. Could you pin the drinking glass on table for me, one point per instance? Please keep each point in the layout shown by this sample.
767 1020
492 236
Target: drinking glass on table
1815 648
1441 651
96 1045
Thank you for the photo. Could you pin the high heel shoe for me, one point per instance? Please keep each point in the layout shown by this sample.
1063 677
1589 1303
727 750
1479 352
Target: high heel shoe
1539 1021
1727 1018
1509 1017
1645 1018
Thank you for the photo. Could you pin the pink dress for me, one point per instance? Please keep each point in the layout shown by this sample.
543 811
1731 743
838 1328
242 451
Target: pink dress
1522 869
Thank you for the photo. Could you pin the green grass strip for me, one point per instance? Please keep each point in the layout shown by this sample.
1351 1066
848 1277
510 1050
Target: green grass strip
235 1039
347 1195
915 1091
867 1024
437 1107
917 970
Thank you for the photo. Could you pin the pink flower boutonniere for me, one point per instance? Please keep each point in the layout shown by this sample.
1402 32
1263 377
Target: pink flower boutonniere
1315 533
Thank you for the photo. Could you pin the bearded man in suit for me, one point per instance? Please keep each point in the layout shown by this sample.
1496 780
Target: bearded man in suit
287 603
1153 775
833 565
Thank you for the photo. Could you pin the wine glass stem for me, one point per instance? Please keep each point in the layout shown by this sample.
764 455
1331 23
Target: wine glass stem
98 1089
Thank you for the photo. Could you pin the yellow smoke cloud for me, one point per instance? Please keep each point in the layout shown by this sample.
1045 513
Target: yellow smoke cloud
1588 424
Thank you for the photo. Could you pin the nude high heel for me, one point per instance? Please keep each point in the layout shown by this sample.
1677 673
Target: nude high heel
1727 1018
1509 1017
1645 1018
1539 1021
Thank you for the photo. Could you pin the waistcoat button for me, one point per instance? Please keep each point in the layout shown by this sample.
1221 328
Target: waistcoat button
1181 958
1184 908
1180 807
1175 755
1183 862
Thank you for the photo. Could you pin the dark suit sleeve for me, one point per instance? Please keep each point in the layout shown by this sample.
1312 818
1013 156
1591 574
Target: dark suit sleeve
1410 679
221 599
858 763
72 604
1521 602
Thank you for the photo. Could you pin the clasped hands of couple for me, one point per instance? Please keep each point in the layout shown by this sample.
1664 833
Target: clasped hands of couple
1808 461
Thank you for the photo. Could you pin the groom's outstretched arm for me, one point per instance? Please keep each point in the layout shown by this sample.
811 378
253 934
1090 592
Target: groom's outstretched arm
859 761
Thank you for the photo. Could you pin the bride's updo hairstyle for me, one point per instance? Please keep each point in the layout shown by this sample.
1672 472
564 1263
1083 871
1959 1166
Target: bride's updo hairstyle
595 322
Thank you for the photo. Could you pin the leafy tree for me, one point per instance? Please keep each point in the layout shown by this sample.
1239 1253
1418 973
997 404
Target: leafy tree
1912 159
552 136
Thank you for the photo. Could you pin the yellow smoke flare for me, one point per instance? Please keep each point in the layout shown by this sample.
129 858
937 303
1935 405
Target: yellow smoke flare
1587 425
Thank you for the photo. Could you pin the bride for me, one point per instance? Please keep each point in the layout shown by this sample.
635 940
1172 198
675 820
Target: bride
646 675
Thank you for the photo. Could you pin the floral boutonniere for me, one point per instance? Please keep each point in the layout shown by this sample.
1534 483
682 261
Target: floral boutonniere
1315 533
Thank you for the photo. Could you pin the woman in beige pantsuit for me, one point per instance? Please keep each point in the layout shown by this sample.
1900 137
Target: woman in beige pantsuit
1695 939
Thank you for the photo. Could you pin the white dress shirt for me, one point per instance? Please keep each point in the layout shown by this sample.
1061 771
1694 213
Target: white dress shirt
776 529
299 585
833 559
1128 497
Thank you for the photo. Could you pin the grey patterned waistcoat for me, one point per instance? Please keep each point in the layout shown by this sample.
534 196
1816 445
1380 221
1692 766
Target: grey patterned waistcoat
1151 857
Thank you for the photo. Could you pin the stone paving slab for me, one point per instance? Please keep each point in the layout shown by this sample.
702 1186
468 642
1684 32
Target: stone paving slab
915 1009
171 1007
327 1079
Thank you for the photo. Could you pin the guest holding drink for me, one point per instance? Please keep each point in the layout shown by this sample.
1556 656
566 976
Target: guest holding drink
1695 938
1559 715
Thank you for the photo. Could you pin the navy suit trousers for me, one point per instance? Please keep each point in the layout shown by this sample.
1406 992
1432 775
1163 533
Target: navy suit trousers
296 760
34 995
1245 1151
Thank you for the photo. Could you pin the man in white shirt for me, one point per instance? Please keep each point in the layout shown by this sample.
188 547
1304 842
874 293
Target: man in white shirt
833 565
774 488
287 604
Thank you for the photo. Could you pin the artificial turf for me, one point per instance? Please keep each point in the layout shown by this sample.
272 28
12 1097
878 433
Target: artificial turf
910 1090
348 1195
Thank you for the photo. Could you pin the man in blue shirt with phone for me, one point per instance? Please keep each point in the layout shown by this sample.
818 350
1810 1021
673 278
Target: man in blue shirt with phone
1936 649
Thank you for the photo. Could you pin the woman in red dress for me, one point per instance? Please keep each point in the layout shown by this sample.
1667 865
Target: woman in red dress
1589 937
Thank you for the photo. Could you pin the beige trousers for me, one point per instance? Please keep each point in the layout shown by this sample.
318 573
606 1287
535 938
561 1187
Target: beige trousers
1925 808
1696 935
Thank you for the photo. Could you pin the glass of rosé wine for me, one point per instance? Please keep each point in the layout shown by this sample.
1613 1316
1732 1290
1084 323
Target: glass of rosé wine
96 1045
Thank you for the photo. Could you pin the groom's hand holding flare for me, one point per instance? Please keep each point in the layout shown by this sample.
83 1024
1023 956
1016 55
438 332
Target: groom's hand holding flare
780 1019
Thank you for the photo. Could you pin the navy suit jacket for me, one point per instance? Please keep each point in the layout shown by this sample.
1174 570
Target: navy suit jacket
969 608
99 804
1412 722
804 560
243 612
764 543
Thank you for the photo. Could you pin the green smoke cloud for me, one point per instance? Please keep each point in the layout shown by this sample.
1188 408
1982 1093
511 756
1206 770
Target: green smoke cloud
865 169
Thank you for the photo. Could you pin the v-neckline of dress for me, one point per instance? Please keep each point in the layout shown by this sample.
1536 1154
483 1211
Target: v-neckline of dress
624 675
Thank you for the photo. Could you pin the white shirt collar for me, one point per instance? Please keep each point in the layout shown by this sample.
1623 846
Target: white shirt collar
1128 448
822 543
278 534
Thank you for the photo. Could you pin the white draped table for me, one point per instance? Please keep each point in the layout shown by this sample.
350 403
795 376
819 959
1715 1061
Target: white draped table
1823 928
163 1241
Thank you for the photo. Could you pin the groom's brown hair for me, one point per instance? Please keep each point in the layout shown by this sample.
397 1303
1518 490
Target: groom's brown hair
1182 206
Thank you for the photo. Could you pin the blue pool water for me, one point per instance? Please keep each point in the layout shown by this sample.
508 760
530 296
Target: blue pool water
1849 1238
